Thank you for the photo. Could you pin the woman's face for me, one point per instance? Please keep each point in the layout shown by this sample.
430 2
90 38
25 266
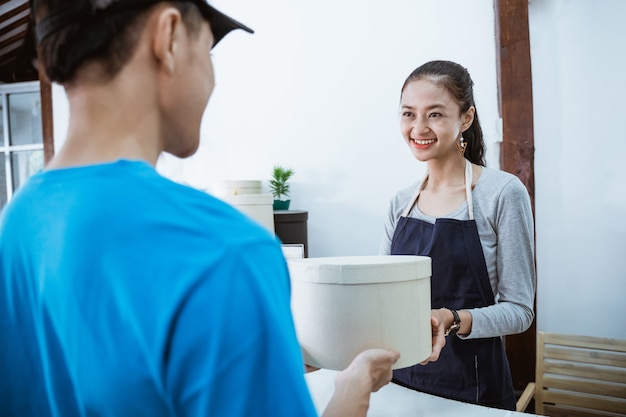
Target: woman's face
431 120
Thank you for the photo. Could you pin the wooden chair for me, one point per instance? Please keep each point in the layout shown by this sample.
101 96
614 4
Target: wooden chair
578 376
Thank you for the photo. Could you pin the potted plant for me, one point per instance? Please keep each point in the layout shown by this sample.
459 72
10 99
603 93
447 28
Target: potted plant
279 186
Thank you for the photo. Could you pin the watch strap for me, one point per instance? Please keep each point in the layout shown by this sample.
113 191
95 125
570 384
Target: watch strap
456 325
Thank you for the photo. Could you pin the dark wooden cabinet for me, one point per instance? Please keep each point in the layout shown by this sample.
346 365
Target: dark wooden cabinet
291 227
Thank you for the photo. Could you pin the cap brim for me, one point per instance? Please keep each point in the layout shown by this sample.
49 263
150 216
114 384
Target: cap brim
221 24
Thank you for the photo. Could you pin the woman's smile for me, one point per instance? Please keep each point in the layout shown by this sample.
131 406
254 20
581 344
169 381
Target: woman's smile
423 143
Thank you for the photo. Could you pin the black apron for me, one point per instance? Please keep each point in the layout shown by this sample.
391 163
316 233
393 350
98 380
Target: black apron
475 370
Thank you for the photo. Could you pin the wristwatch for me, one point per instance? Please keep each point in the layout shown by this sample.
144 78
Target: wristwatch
456 325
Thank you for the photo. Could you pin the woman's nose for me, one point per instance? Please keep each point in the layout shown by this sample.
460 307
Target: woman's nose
419 126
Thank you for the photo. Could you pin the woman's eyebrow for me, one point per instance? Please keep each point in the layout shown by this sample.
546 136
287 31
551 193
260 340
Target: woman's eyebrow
431 107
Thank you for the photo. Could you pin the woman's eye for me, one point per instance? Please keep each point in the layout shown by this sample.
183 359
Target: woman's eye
407 114
434 115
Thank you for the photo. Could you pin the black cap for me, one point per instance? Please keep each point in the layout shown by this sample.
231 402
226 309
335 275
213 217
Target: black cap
221 24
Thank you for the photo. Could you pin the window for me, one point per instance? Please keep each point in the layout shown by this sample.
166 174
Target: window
21 139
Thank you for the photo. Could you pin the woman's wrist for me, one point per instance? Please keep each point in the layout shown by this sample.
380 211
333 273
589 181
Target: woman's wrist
465 318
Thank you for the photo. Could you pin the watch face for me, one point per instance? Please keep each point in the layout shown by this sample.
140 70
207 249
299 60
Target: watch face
453 329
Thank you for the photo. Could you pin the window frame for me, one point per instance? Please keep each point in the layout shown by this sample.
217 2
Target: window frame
5 147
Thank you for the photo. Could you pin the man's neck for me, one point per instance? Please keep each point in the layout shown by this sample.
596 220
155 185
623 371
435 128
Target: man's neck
110 121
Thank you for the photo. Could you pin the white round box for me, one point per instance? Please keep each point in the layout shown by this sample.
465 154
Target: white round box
345 305
259 207
227 188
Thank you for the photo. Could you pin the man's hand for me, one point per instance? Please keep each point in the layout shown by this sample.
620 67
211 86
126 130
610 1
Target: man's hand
367 373
373 366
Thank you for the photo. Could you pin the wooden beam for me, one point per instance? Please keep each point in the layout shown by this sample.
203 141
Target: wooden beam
517 150
47 125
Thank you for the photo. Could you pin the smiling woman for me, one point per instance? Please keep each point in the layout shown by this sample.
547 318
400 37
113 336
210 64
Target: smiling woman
476 224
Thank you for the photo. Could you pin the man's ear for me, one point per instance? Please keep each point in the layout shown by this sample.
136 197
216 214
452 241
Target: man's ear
166 38
468 118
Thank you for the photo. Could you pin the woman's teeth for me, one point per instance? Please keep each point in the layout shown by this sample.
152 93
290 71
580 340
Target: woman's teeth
424 141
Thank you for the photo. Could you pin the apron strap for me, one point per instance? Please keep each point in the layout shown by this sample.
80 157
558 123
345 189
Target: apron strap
413 200
469 178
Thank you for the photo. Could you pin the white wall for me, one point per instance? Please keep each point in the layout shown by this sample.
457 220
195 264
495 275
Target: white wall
579 113
317 88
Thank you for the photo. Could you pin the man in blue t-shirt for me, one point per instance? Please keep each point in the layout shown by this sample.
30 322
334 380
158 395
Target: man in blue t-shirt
121 292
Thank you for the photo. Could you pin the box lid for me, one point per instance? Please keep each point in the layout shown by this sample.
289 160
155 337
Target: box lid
360 269
225 188
238 183
248 199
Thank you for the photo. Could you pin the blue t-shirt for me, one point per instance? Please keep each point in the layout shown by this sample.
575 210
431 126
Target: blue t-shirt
125 294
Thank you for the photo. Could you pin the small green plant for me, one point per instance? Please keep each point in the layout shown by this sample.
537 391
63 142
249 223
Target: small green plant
279 184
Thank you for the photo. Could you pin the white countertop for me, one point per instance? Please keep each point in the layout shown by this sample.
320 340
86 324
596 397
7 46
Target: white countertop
392 400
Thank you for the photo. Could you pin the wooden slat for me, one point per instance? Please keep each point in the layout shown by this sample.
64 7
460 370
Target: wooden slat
615 405
611 389
540 357
603 373
615 345
16 38
564 411
15 15
525 398
9 12
597 357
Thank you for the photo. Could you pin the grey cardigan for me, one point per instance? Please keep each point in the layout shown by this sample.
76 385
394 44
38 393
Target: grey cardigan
504 219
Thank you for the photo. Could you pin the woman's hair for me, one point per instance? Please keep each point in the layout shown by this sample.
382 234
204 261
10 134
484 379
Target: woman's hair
454 78
109 42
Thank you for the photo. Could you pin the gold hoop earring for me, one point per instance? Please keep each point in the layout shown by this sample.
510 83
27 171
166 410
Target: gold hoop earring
461 146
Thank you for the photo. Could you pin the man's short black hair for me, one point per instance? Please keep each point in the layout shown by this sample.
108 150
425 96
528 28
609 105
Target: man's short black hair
73 32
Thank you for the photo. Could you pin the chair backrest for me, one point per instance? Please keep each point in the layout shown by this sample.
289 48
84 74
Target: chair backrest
580 376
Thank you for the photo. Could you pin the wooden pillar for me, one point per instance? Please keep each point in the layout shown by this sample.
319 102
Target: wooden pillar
47 127
517 149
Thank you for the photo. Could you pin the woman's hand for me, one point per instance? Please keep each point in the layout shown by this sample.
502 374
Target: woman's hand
439 339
